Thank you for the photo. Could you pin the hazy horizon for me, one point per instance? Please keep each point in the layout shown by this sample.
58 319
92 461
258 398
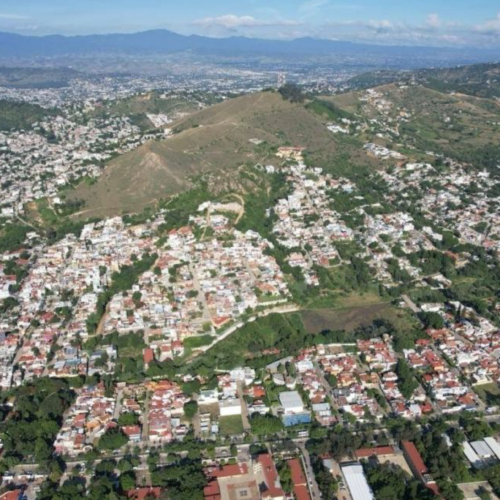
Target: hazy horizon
387 22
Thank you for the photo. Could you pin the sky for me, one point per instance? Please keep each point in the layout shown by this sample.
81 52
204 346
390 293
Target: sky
458 23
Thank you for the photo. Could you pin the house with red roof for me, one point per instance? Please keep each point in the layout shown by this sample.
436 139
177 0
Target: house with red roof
299 480
143 493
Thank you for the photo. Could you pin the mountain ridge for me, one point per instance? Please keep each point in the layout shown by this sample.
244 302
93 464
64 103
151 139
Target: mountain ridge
163 41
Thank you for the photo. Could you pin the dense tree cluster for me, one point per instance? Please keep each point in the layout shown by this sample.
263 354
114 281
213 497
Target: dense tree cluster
182 480
390 482
292 92
32 426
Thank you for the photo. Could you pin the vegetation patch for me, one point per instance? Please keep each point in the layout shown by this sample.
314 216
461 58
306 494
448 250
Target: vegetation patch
231 426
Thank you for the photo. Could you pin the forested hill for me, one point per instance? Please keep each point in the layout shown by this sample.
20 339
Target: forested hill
18 115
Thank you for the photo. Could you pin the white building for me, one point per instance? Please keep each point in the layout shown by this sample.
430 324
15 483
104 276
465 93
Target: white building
291 402
494 445
208 397
357 483
229 407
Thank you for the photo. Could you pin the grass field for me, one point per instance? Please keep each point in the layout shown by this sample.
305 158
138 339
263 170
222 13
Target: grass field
489 393
231 426
350 311
348 318
194 342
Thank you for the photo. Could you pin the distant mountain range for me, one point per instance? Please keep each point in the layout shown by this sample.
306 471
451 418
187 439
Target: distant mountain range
168 42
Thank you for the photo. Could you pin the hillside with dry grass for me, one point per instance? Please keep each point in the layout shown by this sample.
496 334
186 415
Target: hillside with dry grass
214 140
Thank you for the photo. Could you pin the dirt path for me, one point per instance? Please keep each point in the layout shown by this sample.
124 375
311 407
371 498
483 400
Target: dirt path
242 211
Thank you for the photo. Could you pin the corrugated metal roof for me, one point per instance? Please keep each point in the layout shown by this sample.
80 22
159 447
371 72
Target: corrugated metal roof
290 399
494 445
471 455
482 449
357 483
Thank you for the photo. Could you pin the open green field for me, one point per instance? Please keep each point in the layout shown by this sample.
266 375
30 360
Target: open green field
351 311
231 426
489 393
194 342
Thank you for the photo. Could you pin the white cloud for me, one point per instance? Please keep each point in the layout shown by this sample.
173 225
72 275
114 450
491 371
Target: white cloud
431 31
232 22
433 21
491 26
382 25
13 16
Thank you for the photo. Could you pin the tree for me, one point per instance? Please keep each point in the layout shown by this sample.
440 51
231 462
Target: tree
129 418
390 482
127 481
191 387
432 320
265 424
285 475
112 440
406 382
292 92
190 409
449 490
183 480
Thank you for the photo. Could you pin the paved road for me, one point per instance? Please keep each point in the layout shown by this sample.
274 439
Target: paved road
279 309
244 409
311 479
325 384
411 304
118 406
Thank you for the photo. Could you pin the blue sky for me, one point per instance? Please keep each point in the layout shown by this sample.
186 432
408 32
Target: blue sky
423 22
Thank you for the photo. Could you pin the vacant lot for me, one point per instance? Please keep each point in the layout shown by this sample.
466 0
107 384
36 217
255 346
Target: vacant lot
231 426
195 342
347 318
489 393
471 490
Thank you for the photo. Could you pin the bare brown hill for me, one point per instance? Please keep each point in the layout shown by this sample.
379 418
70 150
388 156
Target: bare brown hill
216 139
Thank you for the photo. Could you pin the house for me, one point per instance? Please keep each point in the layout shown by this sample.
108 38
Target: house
143 493
16 494
265 470
417 465
299 480
231 481
133 432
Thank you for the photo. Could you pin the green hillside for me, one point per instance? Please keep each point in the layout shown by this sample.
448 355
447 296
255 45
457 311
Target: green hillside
480 80
456 125
19 115
137 107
